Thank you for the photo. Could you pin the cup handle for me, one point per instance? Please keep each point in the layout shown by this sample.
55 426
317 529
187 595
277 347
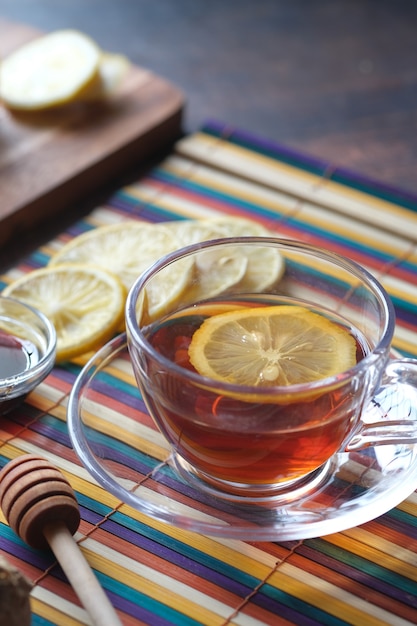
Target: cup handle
391 415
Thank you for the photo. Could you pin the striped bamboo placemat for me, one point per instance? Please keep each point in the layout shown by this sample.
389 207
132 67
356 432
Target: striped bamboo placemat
157 574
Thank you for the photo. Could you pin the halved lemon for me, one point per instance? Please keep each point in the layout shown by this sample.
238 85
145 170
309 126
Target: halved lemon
271 346
51 70
85 304
127 249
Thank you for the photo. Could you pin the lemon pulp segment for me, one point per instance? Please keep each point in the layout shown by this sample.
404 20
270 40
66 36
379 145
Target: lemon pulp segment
271 346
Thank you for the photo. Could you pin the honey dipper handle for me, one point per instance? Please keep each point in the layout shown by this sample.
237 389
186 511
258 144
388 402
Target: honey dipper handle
80 575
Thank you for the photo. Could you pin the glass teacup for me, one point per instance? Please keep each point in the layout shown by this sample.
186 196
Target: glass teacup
251 441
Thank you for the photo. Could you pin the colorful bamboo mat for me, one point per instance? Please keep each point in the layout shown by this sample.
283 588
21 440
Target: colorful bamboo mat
157 574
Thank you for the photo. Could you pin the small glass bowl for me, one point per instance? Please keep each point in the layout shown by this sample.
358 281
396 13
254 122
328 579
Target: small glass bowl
28 325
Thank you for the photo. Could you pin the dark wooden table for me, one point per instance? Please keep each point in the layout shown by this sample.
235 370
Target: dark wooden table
335 78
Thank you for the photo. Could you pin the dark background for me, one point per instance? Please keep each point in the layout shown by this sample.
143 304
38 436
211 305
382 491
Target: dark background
334 78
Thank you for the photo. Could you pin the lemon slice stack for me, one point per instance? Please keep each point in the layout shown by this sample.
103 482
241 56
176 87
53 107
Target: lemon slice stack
84 287
59 68
128 248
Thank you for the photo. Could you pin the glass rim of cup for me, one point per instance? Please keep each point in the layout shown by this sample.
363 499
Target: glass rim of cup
135 333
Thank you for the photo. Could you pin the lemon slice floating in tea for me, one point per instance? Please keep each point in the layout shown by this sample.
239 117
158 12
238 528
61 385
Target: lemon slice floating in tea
85 304
51 70
271 346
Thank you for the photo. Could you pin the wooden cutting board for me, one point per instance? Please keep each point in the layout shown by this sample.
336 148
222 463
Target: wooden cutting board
51 160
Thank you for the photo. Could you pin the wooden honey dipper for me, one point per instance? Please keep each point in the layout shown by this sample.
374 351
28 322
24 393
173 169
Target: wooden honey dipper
41 507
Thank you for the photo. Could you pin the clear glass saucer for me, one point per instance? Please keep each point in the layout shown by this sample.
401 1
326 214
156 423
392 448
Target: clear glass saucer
118 444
